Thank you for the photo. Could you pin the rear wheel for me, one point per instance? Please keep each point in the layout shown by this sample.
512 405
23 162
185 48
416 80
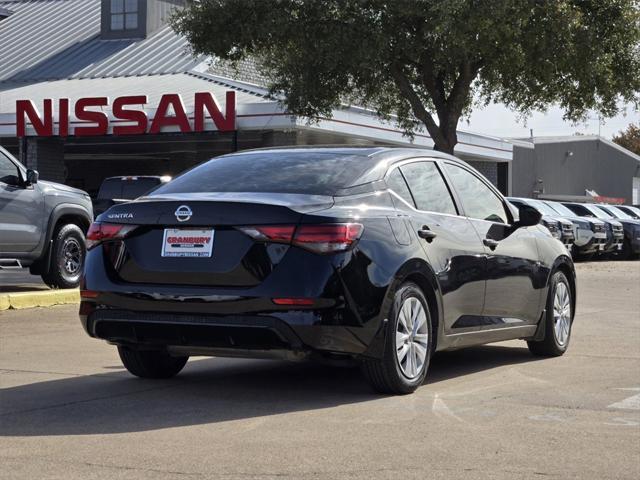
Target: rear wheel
151 363
558 320
408 344
67 257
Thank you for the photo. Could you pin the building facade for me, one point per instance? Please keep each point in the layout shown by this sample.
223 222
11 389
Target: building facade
96 88
575 167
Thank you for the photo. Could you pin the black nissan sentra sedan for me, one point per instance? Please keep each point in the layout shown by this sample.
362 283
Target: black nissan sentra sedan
382 255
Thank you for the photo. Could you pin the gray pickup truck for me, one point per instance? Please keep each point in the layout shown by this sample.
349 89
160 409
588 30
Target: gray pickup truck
42 224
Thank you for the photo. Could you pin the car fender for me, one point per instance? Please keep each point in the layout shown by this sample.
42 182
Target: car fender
419 271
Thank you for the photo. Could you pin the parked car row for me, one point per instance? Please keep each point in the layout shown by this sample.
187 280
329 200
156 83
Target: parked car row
590 230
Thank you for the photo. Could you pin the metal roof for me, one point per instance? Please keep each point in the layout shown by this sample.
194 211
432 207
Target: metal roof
57 39
187 84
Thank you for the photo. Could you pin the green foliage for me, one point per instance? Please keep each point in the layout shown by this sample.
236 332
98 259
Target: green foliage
629 138
427 60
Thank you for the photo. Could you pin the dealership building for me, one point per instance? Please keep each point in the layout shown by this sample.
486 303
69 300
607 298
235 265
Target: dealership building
90 89
98 88
575 168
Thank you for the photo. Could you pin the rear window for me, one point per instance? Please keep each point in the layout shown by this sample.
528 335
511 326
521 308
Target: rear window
110 189
135 188
283 172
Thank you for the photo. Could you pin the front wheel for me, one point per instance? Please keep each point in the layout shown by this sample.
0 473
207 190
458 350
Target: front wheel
558 319
408 345
67 257
151 363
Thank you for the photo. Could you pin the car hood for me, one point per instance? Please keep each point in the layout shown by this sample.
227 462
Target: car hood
587 220
52 187
611 221
628 223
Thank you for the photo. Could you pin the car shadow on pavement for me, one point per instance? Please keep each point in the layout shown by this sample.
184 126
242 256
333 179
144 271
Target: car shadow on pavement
208 391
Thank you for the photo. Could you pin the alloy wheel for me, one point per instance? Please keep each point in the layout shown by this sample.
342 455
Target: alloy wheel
562 313
71 256
412 337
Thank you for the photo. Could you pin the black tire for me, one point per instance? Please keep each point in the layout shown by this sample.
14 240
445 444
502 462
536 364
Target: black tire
551 346
151 363
67 257
386 374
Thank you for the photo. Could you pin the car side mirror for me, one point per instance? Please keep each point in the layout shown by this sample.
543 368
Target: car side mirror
528 216
32 177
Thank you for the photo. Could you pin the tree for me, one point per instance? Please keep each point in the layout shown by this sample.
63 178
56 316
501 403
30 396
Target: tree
629 139
429 61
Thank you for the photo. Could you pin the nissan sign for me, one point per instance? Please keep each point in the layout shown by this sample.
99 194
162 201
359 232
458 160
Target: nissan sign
129 115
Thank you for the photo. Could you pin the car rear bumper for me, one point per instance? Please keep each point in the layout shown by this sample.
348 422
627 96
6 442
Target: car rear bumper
291 335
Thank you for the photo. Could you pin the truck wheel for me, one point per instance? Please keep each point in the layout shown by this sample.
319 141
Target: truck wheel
151 363
67 257
558 320
408 344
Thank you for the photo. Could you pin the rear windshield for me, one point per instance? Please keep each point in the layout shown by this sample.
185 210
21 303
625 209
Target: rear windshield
136 188
127 189
312 173
110 189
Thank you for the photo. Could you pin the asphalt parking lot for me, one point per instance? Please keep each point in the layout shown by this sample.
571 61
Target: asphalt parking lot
69 410
20 280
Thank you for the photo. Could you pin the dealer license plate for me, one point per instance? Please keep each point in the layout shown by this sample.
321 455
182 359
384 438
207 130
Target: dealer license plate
179 242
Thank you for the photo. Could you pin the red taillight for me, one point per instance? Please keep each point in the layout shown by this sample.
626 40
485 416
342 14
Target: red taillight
101 232
320 238
270 233
302 302
327 238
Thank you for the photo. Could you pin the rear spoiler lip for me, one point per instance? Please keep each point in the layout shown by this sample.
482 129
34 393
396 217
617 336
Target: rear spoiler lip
301 203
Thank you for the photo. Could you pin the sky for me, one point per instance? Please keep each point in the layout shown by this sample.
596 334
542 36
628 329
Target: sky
499 121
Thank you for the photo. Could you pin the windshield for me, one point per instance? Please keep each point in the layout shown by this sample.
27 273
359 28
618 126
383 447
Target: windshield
542 207
561 209
312 173
619 213
632 210
598 212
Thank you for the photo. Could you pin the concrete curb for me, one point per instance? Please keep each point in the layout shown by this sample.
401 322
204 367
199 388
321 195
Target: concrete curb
45 298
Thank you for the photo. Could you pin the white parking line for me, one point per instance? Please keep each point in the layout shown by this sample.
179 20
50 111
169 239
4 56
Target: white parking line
629 403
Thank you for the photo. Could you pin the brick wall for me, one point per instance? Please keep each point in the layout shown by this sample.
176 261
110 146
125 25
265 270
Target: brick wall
488 169
47 156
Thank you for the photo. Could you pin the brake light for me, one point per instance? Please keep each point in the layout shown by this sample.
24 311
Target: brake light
327 238
102 232
320 238
270 233
302 302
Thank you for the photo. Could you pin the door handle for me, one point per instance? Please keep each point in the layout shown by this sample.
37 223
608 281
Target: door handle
489 242
427 234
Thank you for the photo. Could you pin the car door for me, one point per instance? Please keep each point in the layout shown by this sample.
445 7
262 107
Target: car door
450 243
21 210
513 290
